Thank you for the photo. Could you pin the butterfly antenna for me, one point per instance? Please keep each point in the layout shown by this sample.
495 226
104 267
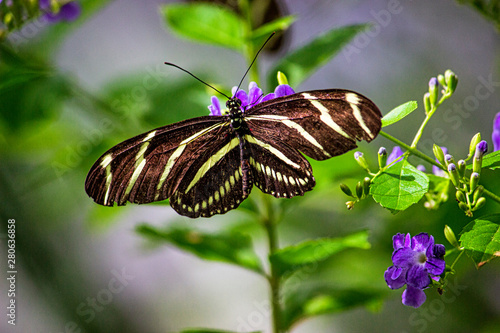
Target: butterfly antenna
255 58
197 78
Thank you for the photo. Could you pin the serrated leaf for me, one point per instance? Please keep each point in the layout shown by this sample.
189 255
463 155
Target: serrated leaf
302 62
292 258
491 161
206 23
317 300
481 239
399 113
265 30
399 186
234 248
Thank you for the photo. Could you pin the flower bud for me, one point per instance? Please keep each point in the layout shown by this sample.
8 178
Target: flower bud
359 190
461 168
346 189
366 186
427 102
474 181
479 204
477 161
282 78
450 236
438 152
382 157
361 160
448 159
473 143
451 80
463 206
460 196
350 204
453 173
477 194
433 90
441 80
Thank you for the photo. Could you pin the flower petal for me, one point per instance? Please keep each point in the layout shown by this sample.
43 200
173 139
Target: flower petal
404 257
438 250
214 108
435 266
398 241
268 97
395 155
283 90
421 242
70 11
413 297
394 278
418 277
254 94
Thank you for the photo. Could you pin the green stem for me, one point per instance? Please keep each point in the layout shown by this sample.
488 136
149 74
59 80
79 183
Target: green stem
273 278
492 195
412 150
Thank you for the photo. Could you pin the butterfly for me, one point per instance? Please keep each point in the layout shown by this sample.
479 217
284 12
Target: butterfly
208 165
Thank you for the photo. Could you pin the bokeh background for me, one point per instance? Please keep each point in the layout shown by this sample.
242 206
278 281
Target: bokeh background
104 81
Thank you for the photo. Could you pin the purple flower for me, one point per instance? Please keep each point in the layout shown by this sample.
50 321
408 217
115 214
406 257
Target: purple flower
68 12
496 133
395 155
416 260
254 97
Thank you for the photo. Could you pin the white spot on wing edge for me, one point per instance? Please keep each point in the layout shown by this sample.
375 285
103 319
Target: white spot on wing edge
149 136
353 101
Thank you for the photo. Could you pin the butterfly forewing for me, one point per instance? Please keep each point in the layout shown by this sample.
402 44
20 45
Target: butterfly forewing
321 124
150 166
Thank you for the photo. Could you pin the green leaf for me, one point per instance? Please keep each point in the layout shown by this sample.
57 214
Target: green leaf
301 63
206 23
233 247
264 31
481 239
491 161
292 258
399 113
307 302
399 186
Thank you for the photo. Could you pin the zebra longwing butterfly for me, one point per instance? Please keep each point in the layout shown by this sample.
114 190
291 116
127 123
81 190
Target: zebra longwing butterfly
208 165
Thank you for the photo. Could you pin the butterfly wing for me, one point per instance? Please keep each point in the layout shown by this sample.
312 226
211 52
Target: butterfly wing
152 166
321 124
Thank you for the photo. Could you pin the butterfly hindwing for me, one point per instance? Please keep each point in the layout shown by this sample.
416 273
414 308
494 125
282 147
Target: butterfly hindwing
278 169
216 185
321 124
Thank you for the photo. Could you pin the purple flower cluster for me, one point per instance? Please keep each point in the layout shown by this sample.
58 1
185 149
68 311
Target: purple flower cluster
68 12
254 96
416 260
496 133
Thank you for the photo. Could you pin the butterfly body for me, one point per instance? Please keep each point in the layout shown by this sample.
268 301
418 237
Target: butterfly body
208 165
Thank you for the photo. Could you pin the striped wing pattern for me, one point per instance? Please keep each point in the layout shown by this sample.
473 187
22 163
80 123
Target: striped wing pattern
200 164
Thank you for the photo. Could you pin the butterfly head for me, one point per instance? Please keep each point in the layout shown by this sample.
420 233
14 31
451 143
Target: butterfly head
234 105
